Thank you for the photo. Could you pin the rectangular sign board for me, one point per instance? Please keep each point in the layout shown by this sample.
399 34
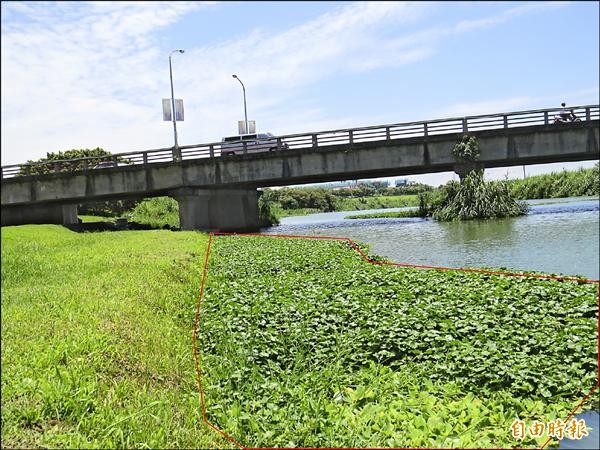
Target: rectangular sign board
166 109
179 109
242 127
166 106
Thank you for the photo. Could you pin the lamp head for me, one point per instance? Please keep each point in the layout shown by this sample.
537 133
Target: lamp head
181 51
234 76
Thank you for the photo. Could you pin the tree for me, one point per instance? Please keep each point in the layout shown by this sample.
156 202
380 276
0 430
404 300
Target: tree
56 161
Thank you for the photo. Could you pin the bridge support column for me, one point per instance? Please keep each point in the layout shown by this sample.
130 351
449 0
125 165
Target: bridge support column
36 214
218 209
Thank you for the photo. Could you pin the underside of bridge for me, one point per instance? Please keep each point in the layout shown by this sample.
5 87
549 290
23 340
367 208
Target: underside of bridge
199 209
218 209
37 214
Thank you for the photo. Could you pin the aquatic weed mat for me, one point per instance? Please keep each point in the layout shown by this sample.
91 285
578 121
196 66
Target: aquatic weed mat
311 343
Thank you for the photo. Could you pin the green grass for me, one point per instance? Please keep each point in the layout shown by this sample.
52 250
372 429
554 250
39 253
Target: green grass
96 339
92 219
576 183
386 215
377 202
301 343
354 204
157 212
305 344
280 212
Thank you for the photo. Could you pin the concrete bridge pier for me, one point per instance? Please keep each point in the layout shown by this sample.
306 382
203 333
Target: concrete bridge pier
46 213
218 209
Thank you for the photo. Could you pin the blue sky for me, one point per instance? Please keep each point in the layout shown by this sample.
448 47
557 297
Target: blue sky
88 74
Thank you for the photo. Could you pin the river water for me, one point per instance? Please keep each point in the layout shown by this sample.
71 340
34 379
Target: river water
558 236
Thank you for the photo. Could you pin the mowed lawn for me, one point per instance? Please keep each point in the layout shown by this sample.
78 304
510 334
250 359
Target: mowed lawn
97 339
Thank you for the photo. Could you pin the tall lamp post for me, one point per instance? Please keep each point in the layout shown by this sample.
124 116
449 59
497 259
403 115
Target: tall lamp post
245 112
173 104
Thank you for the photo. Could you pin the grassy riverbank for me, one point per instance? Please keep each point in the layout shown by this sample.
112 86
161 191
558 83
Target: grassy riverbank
301 343
577 183
96 339
387 215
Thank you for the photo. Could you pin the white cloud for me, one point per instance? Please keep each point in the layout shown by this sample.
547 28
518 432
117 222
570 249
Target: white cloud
574 98
92 74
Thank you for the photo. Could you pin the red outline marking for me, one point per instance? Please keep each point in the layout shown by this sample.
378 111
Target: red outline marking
366 258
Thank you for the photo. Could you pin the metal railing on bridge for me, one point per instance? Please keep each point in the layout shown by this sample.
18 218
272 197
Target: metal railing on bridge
315 140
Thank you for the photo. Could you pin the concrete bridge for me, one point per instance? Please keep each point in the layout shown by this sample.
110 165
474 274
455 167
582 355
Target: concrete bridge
217 192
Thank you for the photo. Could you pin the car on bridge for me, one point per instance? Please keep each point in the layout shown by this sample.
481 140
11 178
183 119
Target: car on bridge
108 164
254 143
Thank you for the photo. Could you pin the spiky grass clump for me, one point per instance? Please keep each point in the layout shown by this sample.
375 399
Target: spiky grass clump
474 198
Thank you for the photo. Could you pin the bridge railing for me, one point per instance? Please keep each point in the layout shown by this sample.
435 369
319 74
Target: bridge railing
314 140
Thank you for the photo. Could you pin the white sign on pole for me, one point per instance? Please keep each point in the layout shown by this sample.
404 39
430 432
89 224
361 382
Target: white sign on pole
166 106
242 127
179 109
166 109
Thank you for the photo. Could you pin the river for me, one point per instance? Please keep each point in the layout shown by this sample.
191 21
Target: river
557 236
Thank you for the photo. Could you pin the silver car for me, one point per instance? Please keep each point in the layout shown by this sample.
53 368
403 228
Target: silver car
108 164
255 143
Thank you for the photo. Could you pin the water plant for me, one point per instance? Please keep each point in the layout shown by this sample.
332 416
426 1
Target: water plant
302 343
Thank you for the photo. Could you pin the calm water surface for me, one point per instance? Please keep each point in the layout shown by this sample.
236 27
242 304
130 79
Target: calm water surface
559 236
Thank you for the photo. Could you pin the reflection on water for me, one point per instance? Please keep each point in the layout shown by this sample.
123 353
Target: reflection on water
558 237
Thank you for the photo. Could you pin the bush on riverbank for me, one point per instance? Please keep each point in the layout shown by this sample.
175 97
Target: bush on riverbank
157 212
582 182
387 215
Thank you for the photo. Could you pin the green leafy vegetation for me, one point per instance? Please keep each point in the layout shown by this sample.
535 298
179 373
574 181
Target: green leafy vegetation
267 214
56 163
96 339
157 212
379 202
302 343
582 182
90 219
387 215
107 208
473 197
59 163
300 201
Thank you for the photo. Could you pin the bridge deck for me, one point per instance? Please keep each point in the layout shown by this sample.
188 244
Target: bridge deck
318 141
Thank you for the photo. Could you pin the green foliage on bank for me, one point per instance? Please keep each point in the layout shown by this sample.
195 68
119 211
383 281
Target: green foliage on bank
96 339
156 212
387 215
300 201
578 183
379 202
303 343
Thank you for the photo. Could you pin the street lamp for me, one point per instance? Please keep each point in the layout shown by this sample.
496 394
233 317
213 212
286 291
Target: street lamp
245 112
173 100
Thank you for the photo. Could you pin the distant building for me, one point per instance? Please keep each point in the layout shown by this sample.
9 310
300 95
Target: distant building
401 182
